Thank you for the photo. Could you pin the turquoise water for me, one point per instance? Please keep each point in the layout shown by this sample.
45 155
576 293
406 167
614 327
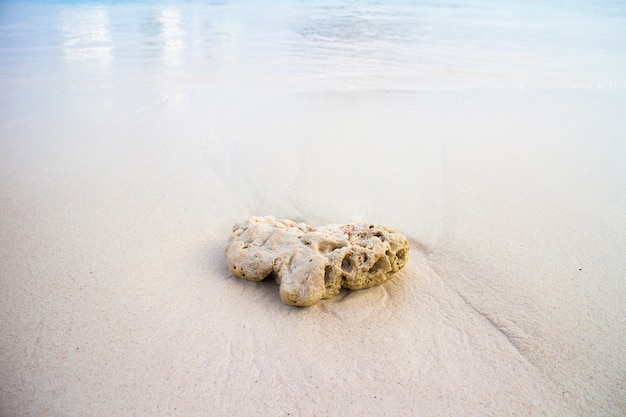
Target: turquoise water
315 45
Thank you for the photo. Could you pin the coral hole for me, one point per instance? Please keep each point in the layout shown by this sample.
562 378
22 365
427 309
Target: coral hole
346 265
381 264
327 277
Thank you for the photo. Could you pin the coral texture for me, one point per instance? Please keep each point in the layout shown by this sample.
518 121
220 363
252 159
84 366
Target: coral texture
314 263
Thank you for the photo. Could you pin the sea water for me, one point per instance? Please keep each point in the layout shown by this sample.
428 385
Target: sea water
313 45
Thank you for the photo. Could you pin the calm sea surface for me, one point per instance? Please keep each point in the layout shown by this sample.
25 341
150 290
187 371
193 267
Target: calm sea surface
314 45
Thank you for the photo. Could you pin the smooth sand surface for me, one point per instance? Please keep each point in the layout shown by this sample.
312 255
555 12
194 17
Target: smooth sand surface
117 197
116 299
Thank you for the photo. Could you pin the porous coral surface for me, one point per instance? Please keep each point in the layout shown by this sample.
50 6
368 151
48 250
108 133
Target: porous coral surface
314 263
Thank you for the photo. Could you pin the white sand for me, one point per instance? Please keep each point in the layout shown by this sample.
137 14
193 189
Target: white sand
115 298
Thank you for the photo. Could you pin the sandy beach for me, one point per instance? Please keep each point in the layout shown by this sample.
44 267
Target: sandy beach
134 137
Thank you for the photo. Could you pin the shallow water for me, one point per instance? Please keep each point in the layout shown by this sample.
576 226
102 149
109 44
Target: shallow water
313 45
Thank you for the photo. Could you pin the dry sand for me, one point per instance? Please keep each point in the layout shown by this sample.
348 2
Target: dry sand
116 298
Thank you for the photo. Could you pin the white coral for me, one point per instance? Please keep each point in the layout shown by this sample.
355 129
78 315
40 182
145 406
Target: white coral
310 264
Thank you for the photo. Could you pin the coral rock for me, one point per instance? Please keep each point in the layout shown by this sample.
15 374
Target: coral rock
310 264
